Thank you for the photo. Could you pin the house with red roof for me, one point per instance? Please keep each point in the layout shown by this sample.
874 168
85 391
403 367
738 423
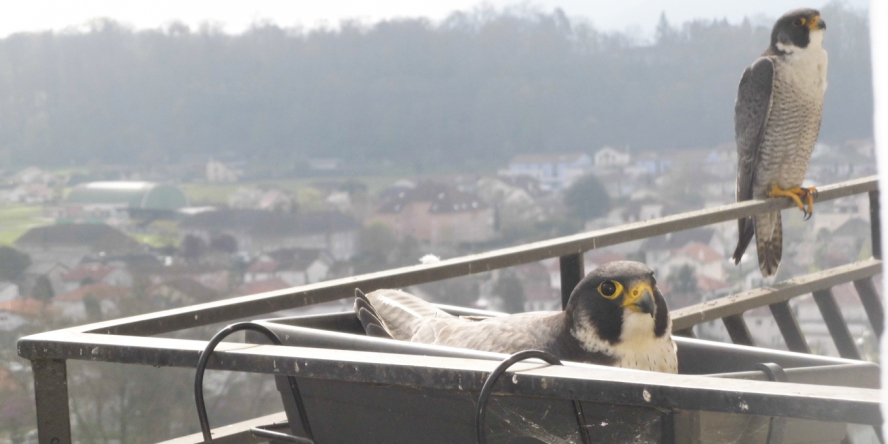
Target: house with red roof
183 291
295 266
94 272
438 214
705 262
16 313
91 300
266 285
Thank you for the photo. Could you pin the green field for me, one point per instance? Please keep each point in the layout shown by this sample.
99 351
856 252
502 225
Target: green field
217 194
16 219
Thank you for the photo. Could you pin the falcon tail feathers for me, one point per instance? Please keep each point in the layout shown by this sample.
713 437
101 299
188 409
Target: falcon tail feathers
746 230
769 242
368 316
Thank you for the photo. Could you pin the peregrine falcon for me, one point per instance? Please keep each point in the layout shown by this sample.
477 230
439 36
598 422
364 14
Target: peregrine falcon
776 121
615 316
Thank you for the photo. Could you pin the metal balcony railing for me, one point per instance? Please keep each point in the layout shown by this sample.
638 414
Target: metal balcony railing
130 340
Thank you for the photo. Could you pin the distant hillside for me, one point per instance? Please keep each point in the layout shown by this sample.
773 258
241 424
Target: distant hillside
476 88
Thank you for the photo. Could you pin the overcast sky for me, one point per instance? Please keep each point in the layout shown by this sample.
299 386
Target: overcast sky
235 16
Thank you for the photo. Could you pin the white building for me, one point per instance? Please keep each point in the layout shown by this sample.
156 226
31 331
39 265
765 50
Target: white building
553 171
218 172
611 157
8 291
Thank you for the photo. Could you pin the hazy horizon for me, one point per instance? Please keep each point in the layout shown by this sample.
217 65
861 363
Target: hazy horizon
235 17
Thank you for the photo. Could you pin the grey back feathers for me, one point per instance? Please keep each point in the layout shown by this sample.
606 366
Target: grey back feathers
751 112
629 327
409 318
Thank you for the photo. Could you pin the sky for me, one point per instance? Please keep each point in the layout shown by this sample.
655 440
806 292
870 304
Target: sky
235 16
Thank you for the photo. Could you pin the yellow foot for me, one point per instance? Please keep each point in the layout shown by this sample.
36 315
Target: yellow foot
796 194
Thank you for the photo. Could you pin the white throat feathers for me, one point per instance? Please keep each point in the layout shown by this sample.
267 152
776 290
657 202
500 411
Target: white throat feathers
638 347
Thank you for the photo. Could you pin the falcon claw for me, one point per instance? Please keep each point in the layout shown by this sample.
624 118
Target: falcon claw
797 194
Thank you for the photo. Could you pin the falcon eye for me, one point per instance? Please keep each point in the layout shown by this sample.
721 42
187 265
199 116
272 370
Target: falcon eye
610 289
799 22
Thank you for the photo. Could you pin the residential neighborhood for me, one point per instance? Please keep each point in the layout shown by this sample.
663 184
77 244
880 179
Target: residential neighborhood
93 245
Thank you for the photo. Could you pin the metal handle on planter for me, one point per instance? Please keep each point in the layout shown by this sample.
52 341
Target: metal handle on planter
202 365
777 425
481 409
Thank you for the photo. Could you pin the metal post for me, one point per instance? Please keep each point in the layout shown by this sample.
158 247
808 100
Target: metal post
872 304
572 272
836 325
51 393
737 330
789 327
875 224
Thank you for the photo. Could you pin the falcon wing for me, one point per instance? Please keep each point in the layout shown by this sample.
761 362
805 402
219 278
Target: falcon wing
750 117
400 314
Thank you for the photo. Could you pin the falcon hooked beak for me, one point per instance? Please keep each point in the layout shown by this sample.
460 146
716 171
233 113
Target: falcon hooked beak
640 299
815 23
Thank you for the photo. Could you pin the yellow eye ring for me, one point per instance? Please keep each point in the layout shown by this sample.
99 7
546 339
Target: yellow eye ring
610 289
799 22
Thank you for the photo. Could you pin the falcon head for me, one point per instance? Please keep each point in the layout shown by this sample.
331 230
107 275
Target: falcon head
797 30
619 302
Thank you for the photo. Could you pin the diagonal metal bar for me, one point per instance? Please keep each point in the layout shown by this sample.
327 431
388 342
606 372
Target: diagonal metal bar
789 327
688 333
739 303
263 303
835 323
875 224
872 304
736 327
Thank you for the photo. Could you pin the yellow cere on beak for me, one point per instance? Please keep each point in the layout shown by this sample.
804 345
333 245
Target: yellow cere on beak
814 23
640 298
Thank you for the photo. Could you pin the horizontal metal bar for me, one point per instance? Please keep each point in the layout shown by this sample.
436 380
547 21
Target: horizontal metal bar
688 317
238 433
578 381
836 325
264 303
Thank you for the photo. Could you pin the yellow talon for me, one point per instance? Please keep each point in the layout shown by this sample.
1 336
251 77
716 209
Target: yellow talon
809 193
792 194
795 194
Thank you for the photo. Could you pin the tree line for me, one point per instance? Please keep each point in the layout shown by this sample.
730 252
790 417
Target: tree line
473 89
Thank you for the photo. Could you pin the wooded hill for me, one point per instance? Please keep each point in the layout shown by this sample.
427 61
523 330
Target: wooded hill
477 88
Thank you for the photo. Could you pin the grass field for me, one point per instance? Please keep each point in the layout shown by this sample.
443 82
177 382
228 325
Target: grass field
218 193
16 219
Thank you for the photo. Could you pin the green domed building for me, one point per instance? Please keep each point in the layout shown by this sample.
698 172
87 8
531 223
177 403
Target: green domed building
147 196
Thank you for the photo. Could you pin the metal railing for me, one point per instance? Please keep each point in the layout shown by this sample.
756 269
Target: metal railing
128 340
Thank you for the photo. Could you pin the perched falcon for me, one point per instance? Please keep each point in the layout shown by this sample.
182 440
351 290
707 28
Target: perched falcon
615 316
776 121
